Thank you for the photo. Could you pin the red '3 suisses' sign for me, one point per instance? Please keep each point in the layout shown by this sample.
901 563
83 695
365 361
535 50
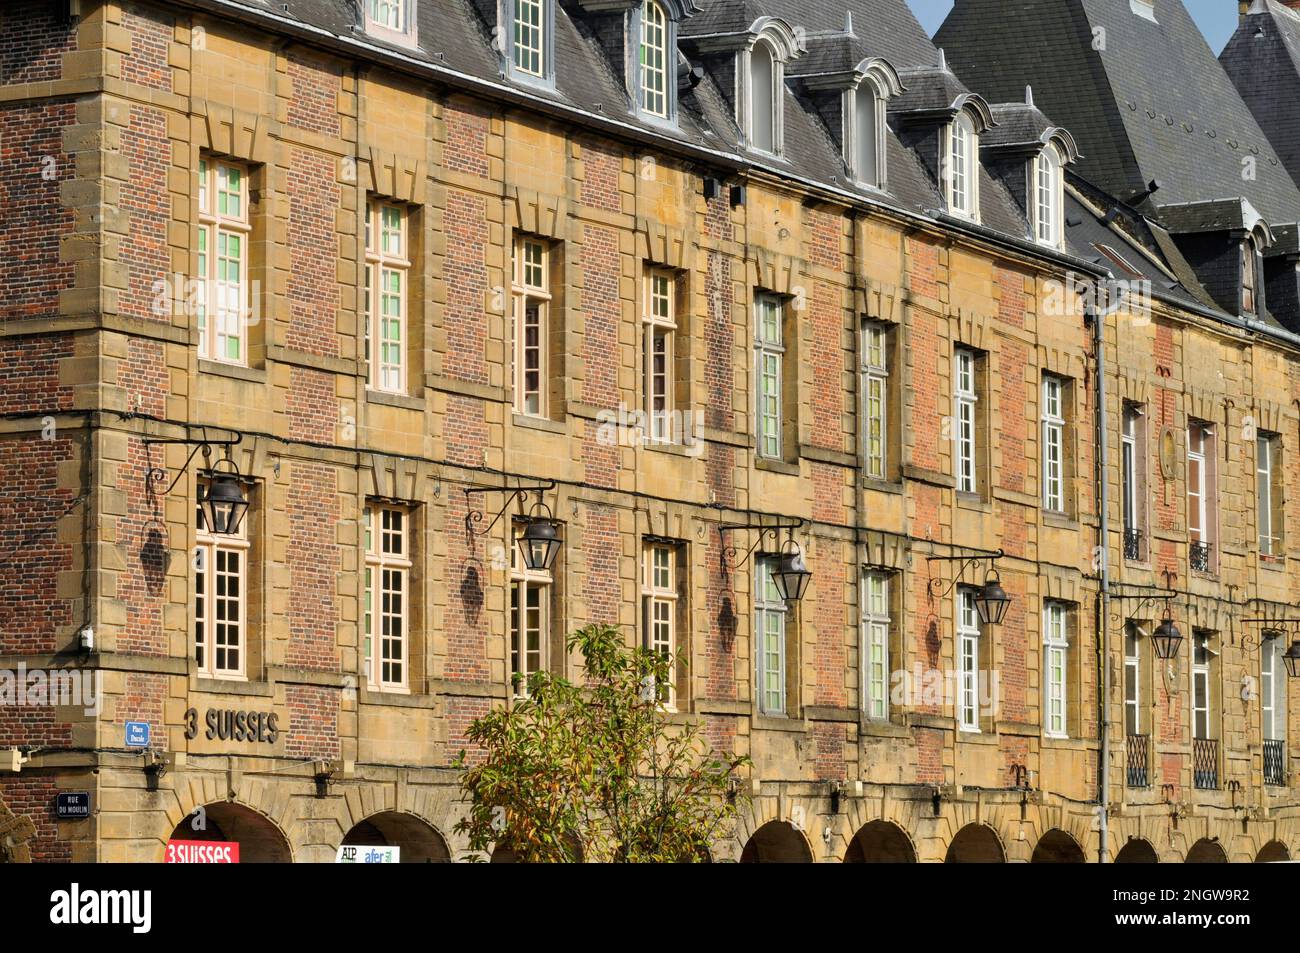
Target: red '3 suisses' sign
202 852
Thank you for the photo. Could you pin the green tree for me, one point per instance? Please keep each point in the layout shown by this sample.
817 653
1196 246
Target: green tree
597 771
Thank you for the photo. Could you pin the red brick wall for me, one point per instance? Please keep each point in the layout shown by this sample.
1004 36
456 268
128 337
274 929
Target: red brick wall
146 550
147 205
827 354
719 637
602 548
32 217
1013 430
32 42
311 405
465 430
465 275
313 722
929 755
151 32
313 254
930 404
829 739
719 374
314 103
600 182
468 569
467 135
313 562
33 795
142 700
829 659
30 381
461 712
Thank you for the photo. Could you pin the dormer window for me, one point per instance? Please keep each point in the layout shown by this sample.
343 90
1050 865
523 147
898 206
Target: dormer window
1249 277
529 36
655 94
765 72
866 139
962 180
392 20
1049 196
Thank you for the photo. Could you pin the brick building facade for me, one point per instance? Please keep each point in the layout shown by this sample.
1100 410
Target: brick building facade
450 273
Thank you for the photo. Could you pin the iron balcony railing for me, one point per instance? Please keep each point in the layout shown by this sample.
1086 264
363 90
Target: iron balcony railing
1133 544
1200 557
1138 749
1275 762
1205 763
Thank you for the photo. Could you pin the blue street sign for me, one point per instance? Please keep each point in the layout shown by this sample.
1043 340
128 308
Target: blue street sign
137 734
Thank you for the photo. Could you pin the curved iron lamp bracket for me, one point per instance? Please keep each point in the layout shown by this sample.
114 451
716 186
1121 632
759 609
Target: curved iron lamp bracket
967 559
474 515
158 475
1274 624
1144 599
764 530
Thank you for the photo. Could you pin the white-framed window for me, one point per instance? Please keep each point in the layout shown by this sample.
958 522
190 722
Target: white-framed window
1249 277
1201 660
1132 679
659 608
222 310
528 38
655 59
769 356
1132 467
769 630
867 155
388 269
386 621
1056 649
1053 444
391 19
1272 689
1049 196
220 598
766 72
875 645
530 617
531 319
962 178
964 401
875 399
1268 492
659 335
1201 515
968 661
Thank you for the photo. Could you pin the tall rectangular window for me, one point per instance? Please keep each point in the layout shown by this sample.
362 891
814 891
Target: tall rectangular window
220 598
1053 444
769 355
1272 689
659 608
659 332
654 59
1202 655
530 618
1047 196
1056 648
1132 680
386 623
964 401
962 180
1133 473
875 645
769 630
531 313
388 269
875 399
529 40
1202 518
1268 493
224 232
968 661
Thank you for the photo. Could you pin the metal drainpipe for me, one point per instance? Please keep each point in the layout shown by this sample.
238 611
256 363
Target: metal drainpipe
1103 599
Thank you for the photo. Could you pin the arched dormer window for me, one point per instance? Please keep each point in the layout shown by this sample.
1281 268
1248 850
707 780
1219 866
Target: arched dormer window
761 81
1048 196
1249 277
868 121
961 161
655 64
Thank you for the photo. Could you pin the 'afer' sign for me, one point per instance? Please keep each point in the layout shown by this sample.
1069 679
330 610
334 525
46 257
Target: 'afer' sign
349 854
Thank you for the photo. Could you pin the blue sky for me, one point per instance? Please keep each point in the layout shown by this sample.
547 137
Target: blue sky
1218 18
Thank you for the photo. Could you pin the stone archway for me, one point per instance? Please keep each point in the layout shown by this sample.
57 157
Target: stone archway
1206 851
1057 847
1274 852
880 842
776 842
260 840
419 841
16 831
975 844
1137 851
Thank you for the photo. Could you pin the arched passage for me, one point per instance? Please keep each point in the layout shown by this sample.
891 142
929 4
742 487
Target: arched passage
1206 852
1137 851
975 844
419 842
880 842
776 842
259 840
1274 852
1057 847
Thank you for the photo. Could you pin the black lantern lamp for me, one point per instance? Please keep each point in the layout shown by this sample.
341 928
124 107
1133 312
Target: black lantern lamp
1291 659
992 601
1166 639
540 541
224 502
791 576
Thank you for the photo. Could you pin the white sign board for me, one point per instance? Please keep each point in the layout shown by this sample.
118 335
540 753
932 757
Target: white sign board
368 855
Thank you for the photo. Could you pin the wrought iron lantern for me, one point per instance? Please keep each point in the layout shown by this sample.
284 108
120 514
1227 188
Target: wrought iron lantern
992 601
791 576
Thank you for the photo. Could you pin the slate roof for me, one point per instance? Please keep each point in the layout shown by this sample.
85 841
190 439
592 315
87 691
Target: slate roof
1263 60
1143 100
